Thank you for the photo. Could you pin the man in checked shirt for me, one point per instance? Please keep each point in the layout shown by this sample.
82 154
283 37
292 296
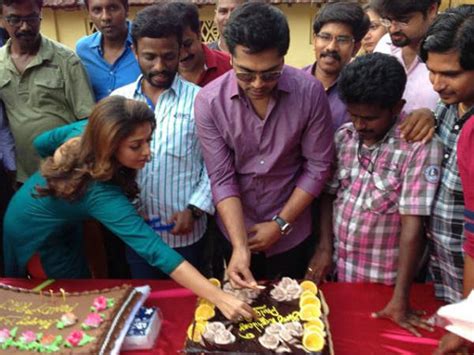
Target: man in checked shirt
381 190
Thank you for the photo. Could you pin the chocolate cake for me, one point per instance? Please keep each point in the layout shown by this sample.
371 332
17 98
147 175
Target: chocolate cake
292 318
61 322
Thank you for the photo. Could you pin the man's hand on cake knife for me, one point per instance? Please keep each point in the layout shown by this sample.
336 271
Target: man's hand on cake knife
238 269
264 236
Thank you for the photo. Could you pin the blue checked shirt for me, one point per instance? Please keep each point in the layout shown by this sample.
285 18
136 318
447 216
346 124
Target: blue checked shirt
176 175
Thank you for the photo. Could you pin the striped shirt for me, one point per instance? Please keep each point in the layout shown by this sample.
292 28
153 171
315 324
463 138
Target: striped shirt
176 175
374 187
447 219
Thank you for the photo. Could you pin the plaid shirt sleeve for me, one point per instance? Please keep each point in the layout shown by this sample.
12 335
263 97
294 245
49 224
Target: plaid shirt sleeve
421 179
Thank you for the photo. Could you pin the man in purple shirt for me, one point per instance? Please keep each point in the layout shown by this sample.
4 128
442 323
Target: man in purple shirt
267 140
337 34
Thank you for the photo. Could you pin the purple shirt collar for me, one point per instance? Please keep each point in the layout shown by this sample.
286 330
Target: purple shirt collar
338 108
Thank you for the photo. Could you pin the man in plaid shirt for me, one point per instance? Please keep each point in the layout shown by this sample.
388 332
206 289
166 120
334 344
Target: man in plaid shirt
448 51
382 188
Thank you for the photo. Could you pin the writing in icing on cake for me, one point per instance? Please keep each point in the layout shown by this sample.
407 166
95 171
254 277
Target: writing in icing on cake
44 309
32 316
266 315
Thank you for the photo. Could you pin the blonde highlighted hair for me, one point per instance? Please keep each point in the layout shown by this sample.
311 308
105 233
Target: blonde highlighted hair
92 157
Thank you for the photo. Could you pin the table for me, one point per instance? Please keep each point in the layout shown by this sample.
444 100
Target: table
352 328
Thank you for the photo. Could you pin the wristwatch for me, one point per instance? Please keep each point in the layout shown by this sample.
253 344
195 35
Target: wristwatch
195 212
285 227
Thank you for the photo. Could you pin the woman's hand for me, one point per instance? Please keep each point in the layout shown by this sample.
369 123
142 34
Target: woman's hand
233 308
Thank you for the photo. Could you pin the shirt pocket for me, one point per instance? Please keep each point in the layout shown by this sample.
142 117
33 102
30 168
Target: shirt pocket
48 92
384 193
180 136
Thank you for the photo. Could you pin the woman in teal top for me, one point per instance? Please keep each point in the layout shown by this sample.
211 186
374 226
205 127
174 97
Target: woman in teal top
93 176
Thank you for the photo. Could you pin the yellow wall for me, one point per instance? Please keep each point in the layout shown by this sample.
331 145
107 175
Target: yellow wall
68 26
454 3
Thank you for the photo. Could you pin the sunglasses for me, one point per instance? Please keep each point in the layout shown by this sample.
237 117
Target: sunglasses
249 77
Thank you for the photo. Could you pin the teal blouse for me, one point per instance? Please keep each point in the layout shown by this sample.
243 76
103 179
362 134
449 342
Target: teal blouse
49 225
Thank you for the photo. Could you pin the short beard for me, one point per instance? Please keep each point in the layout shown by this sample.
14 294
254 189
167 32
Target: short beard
405 41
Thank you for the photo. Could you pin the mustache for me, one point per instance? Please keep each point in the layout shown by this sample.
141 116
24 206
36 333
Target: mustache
399 33
334 55
163 72
25 34
191 56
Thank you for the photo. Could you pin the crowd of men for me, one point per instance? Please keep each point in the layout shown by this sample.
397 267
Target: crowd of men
366 145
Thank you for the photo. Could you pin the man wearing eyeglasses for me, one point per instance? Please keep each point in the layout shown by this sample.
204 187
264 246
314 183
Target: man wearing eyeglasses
337 34
42 84
267 140
382 188
407 22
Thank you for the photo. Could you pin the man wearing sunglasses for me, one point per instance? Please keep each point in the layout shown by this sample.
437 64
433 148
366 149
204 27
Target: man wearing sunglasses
407 22
267 140
42 83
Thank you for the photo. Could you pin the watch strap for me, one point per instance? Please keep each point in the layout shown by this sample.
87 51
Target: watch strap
195 211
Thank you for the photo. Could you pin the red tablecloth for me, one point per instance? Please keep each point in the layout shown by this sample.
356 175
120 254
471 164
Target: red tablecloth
353 331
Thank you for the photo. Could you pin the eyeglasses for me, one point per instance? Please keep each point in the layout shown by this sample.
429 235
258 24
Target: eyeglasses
374 25
341 41
266 76
16 21
387 22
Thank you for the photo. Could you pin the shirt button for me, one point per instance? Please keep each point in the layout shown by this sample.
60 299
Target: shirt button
262 162
456 127
446 156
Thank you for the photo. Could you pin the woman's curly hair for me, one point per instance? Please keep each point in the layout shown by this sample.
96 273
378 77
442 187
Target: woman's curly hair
93 156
